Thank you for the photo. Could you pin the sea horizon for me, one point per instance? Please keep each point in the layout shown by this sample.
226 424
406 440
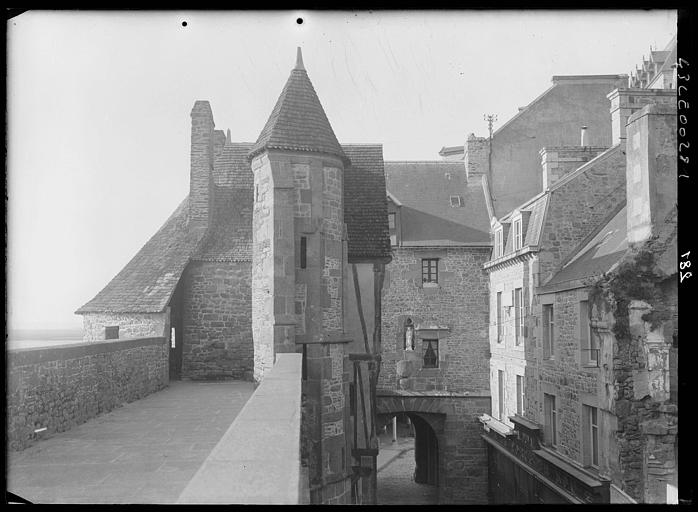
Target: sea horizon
42 337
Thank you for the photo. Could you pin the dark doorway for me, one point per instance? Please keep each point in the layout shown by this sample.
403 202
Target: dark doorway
426 453
408 468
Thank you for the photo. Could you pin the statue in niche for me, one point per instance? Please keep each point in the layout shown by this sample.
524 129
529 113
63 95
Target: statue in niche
409 335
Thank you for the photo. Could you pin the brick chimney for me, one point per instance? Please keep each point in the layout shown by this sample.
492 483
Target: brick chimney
651 171
625 102
476 157
560 160
201 161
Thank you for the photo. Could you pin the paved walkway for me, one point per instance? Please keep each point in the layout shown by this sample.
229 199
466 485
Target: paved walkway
395 470
143 452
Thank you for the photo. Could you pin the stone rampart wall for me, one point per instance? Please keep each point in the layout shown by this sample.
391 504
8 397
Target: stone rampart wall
59 387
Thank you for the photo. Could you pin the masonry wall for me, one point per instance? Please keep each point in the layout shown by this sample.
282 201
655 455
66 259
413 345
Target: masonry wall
573 382
554 119
60 387
217 321
459 305
131 325
578 206
462 453
506 355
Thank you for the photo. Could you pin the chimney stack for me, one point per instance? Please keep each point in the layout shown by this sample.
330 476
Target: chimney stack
625 102
476 157
202 127
560 160
584 137
651 174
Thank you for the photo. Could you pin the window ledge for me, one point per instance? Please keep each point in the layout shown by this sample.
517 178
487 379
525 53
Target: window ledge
495 425
430 285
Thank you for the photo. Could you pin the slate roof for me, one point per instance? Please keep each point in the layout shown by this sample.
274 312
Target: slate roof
426 215
298 121
365 203
592 258
230 235
147 282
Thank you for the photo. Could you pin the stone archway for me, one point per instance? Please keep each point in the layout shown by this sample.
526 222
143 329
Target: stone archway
428 417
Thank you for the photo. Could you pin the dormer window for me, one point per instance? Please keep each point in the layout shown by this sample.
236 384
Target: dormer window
518 235
498 243
456 201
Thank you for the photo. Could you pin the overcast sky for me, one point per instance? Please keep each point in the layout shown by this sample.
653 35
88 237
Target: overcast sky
99 103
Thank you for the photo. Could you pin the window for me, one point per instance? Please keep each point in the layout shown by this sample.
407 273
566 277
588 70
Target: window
430 353
393 240
111 332
519 395
587 342
548 331
550 411
430 270
498 243
518 236
391 220
590 422
500 379
172 338
518 315
304 251
499 317
456 201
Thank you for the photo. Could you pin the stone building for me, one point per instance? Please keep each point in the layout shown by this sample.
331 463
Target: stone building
583 409
552 119
434 331
256 261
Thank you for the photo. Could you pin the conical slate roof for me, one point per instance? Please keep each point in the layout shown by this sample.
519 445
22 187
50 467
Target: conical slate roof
298 121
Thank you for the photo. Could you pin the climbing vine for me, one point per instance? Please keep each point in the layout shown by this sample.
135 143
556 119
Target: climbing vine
635 278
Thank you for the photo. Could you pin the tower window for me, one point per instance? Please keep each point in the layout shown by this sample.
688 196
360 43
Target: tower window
304 252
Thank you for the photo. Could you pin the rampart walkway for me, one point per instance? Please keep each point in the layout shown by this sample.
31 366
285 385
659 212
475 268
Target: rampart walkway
144 452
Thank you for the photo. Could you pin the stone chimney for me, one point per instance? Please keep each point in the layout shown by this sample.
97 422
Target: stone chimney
218 142
651 171
560 160
201 162
477 150
625 102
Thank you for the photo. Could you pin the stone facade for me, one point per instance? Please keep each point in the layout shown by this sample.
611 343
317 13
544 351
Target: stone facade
131 325
454 312
58 388
217 321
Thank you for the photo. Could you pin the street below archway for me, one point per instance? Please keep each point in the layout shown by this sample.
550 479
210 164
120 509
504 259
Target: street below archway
396 485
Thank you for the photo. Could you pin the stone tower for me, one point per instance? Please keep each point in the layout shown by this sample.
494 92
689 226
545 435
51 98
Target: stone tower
299 258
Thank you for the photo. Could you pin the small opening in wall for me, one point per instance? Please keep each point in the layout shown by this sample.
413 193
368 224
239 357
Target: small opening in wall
304 249
299 21
184 23
111 332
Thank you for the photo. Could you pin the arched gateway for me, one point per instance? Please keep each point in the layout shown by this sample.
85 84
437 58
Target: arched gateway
449 452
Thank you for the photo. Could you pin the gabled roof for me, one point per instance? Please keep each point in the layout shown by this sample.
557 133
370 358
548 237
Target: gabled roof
424 188
594 256
298 121
365 203
147 282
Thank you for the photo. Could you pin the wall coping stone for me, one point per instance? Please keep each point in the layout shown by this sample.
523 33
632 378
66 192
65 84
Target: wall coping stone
258 458
35 355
